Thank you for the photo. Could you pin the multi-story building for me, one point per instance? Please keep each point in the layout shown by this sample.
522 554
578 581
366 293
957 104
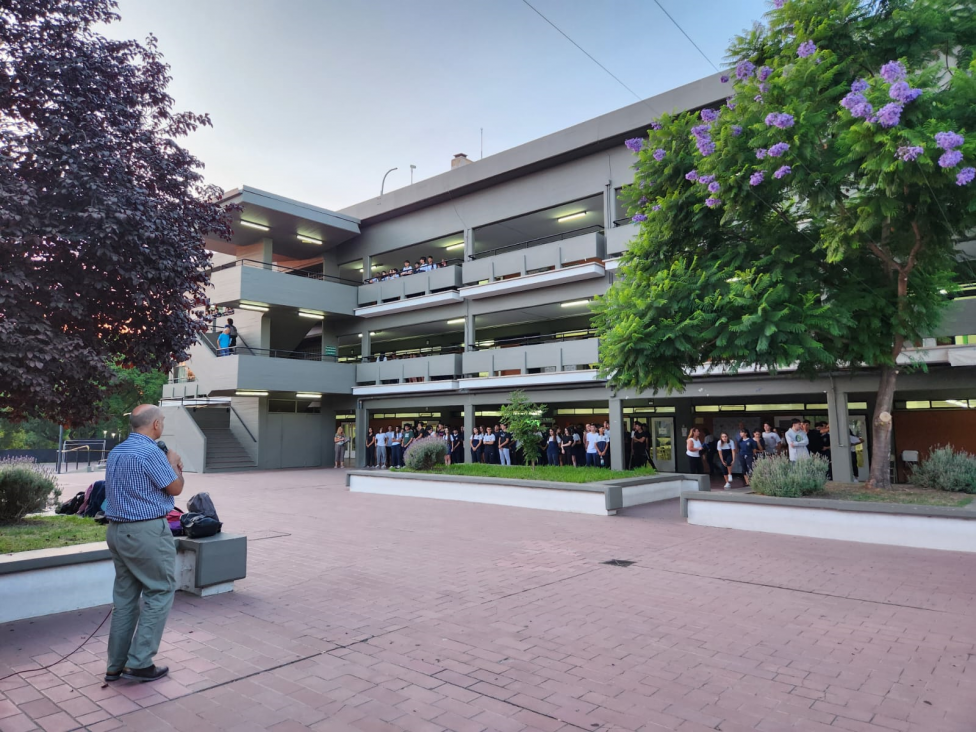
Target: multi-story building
529 237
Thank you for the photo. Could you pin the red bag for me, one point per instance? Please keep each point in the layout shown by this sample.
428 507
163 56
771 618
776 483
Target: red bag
173 518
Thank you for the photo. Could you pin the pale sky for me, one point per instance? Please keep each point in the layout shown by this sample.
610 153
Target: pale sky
316 99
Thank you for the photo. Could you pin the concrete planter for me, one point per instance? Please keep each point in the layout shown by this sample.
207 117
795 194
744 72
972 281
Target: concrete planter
598 499
895 524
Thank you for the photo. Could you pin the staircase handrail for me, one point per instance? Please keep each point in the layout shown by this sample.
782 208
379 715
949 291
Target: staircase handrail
243 423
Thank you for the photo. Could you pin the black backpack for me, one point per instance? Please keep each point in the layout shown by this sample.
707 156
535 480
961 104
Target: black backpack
198 526
70 508
201 503
96 499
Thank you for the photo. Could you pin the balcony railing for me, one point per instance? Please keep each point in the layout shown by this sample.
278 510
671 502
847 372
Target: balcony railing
412 285
426 368
537 255
563 355
529 243
271 267
243 349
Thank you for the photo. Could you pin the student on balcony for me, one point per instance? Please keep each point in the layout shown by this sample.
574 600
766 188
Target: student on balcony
407 268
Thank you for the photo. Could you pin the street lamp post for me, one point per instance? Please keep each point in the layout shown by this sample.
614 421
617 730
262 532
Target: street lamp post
383 184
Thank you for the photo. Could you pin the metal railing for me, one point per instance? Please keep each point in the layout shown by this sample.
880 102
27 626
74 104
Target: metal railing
437 265
624 221
528 243
285 270
243 424
242 349
535 340
408 353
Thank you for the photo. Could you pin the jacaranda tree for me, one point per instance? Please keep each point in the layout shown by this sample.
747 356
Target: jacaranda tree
812 219
102 213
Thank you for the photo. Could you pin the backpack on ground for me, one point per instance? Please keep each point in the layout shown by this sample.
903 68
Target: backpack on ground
201 503
96 499
84 504
70 507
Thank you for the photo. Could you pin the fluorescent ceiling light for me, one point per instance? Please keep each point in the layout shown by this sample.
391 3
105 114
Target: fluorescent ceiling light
958 403
255 308
455 321
449 247
372 332
252 225
574 303
308 239
570 217
306 314
308 395
252 393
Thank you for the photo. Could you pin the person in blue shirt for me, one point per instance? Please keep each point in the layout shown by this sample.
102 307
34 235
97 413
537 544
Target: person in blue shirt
140 483
223 342
748 448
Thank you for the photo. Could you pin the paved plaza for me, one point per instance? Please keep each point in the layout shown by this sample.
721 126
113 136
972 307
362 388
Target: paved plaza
373 613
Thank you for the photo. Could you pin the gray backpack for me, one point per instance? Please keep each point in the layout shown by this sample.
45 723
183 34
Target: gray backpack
201 503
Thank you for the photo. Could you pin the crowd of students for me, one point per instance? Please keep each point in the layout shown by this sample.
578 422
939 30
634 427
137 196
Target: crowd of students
577 446
421 265
719 454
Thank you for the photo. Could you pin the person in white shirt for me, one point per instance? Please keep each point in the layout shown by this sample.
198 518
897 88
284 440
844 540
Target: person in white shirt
396 449
491 448
505 446
770 439
798 442
382 440
592 454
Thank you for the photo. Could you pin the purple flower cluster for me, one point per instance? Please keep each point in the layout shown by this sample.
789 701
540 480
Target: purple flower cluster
893 71
859 86
949 140
712 202
637 218
764 87
709 115
659 154
642 201
764 73
779 3
761 153
778 149
703 139
635 144
909 154
756 178
779 119
714 187
655 208
900 91
691 175
857 104
706 179
655 125
807 48
736 130
782 172
890 114
950 159
744 69
758 99
724 78
965 176
730 103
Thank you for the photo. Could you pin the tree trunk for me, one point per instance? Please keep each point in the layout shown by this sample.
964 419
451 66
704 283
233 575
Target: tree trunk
881 430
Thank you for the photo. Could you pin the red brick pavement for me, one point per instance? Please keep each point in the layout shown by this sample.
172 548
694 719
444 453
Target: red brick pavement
378 613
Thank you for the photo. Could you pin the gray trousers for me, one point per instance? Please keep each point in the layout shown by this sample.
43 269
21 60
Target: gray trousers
144 554
381 456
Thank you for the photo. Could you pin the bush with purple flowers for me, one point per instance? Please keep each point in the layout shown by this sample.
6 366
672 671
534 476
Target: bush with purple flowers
779 149
965 176
782 172
890 114
893 71
712 202
634 144
756 178
807 48
910 153
659 154
949 140
950 159
779 119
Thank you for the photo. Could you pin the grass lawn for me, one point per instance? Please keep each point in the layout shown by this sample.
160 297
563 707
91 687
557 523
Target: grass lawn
897 494
543 472
48 532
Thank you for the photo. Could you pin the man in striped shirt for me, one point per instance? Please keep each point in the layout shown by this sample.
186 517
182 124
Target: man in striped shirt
140 482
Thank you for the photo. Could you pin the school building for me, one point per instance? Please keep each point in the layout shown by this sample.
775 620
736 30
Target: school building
529 237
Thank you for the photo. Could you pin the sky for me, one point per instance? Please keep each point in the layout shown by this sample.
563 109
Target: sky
316 99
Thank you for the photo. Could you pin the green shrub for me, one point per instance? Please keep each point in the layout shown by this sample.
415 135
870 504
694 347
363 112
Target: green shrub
775 475
25 487
425 453
947 470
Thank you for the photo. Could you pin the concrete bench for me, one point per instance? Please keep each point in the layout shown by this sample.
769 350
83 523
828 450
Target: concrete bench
209 566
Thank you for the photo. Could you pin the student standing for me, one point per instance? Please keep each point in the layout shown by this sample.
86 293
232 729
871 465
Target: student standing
504 446
396 448
602 448
566 448
476 445
748 448
381 443
638 441
370 448
693 449
770 439
457 447
552 447
726 456
797 442
223 342
340 448
490 445
592 454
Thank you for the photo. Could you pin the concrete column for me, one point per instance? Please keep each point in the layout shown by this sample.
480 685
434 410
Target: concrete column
840 447
469 332
609 208
617 459
264 254
329 339
468 428
684 421
468 244
330 265
366 345
362 425
367 267
265 341
329 427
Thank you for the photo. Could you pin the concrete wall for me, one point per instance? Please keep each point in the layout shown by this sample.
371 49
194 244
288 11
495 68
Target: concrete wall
553 254
554 355
182 434
280 288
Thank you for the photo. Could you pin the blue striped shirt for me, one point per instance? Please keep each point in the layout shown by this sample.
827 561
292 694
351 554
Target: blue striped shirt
136 473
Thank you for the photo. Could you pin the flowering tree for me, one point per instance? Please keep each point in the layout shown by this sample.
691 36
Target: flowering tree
102 214
812 219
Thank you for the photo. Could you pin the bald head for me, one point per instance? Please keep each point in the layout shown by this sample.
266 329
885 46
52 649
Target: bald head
147 419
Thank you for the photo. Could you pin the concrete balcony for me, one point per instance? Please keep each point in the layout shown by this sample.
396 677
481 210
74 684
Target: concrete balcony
274 285
417 290
556 362
435 373
541 260
620 236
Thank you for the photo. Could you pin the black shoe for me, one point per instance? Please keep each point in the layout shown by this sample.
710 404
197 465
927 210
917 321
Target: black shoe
111 676
150 673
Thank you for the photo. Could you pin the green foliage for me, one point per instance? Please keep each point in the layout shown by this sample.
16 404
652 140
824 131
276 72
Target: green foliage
947 470
425 453
842 260
543 472
775 475
49 532
25 487
522 419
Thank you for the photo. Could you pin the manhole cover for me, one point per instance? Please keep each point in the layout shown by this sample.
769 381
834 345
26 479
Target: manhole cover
619 562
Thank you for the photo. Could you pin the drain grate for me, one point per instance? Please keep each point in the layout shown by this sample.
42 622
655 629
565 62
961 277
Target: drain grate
619 562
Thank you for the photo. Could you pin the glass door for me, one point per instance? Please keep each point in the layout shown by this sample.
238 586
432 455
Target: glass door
662 443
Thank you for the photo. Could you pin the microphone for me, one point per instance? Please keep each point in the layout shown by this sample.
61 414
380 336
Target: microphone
162 446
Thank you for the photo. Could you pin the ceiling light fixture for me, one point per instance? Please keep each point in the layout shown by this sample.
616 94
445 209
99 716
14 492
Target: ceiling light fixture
574 303
308 240
251 393
958 403
456 321
449 247
308 314
252 225
255 308
308 395
570 217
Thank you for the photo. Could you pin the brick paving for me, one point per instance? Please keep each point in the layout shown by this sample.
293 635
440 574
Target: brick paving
375 613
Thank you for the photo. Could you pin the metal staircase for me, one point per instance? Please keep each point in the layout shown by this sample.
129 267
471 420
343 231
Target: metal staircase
225 452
